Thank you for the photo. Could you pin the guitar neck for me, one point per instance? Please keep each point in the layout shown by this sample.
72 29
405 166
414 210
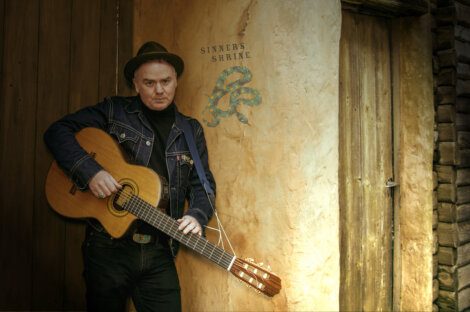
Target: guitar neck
169 226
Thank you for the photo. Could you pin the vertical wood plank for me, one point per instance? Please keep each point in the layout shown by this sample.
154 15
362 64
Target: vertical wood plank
350 168
2 44
414 138
108 48
377 162
53 87
84 91
125 45
366 164
115 46
17 137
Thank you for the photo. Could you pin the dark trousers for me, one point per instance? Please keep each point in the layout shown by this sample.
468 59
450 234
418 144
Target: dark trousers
116 269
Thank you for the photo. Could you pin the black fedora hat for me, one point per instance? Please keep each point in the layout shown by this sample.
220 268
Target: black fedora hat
152 50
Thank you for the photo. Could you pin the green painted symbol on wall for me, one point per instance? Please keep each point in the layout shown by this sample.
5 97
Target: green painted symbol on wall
237 95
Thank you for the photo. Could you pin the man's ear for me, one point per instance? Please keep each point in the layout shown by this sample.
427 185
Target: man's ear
135 85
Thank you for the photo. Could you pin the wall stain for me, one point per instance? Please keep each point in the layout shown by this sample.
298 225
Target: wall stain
245 18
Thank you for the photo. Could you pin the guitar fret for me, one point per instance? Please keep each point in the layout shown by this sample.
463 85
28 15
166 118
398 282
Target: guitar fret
195 242
202 251
169 226
100 143
210 256
221 256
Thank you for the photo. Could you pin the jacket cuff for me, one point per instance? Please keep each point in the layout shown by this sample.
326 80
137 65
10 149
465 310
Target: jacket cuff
84 170
199 215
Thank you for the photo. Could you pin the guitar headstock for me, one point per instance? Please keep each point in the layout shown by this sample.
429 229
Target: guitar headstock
256 276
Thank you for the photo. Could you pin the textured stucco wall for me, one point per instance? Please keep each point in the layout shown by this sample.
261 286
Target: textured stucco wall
276 171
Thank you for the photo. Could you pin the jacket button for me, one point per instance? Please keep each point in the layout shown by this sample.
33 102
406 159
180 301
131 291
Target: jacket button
123 135
148 143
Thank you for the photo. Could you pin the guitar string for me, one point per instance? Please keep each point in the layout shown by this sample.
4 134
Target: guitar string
224 258
147 211
190 241
150 213
172 229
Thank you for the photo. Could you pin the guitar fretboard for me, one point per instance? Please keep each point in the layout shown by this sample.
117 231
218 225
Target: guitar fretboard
169 226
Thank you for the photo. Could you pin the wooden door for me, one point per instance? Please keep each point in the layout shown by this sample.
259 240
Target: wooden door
366 157
56 56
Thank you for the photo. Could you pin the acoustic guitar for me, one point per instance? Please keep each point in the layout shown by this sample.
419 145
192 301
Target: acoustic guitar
139 198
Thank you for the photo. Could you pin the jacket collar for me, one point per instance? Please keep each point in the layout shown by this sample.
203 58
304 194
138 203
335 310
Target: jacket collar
134 105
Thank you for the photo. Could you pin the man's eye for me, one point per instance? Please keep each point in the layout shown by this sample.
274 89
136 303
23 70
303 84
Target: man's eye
148 83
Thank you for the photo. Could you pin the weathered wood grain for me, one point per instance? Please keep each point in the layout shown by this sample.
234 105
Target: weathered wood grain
449 212
84 91
454 256
463 176
447 132
17 152
454 13
446 95
53 78
463 71
463 139
463 105
365 163
125 43
445 174
446 113
448 153
454 278
387 8
453 234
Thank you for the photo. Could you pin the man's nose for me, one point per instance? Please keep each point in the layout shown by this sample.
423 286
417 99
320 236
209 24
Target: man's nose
158 88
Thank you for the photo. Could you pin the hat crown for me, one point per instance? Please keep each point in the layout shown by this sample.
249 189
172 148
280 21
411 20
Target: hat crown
149 51
151 47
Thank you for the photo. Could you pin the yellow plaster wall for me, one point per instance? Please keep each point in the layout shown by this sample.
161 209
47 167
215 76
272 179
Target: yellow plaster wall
277 174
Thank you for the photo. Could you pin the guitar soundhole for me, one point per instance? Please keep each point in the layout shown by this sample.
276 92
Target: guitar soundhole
122 197
119 200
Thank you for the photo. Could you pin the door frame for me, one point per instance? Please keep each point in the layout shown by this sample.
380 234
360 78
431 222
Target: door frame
413 136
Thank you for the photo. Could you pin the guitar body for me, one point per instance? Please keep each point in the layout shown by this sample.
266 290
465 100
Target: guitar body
69 201
139 198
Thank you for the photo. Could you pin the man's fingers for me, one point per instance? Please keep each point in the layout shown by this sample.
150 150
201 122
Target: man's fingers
103 184
189 224
189 228
183 223
197 230
110 185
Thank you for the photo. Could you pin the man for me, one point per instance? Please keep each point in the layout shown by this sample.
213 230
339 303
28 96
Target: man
148 128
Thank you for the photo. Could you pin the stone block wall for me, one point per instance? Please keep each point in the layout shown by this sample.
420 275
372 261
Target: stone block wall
451 62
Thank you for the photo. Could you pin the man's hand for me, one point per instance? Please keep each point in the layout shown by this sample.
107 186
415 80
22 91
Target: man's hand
189 224
103 184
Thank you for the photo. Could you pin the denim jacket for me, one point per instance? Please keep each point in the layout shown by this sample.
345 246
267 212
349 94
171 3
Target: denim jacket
123 119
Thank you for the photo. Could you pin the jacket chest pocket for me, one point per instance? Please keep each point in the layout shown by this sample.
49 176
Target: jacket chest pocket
127 138
184 165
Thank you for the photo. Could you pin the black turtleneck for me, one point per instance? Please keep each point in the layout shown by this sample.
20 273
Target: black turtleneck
161 123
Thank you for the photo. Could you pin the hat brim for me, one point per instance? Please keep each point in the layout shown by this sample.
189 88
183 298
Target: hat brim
135 62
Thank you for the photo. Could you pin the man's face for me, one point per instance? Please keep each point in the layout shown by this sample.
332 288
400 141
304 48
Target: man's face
156 82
